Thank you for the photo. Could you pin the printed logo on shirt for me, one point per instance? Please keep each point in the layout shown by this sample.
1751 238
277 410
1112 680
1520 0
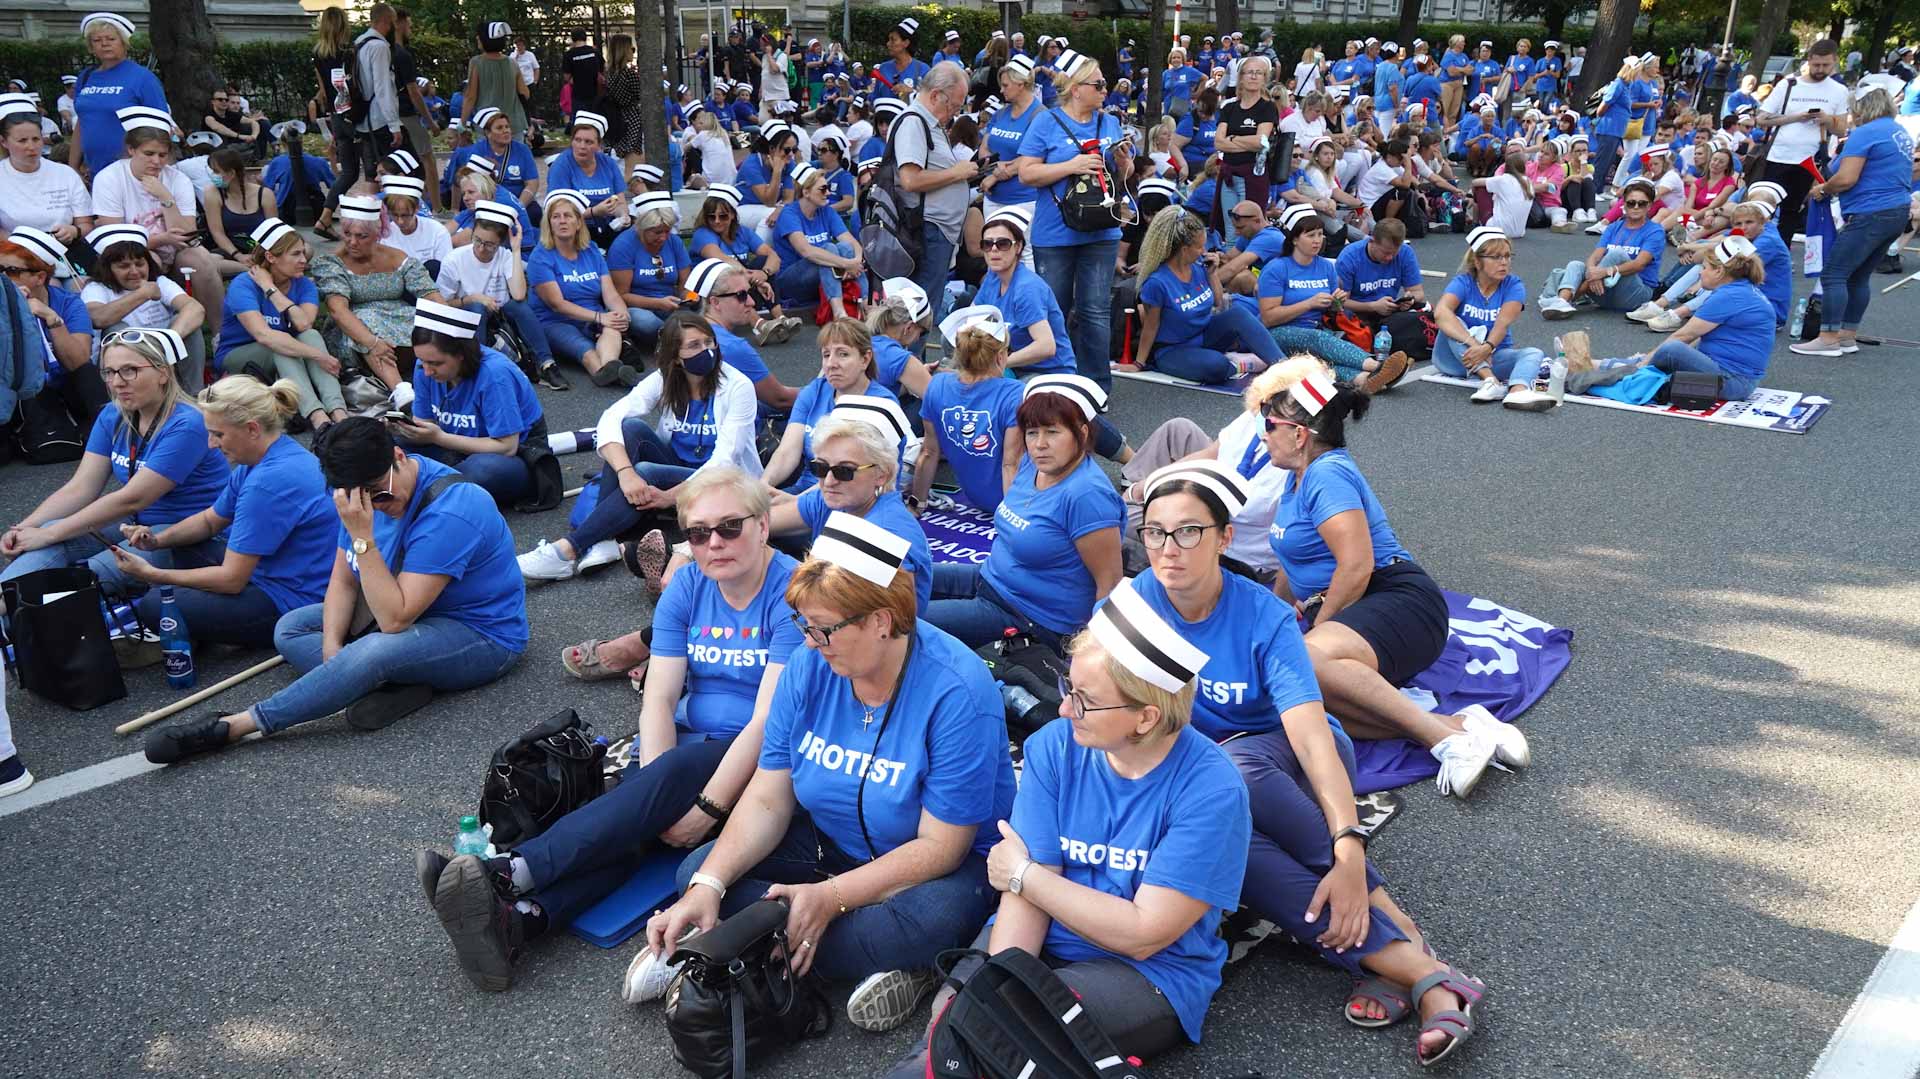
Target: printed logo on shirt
1478 313
1014 520
1227 692
1310 282
456 421
853 762
102 91
1119 859
971 430
700 651
580 277
1197 301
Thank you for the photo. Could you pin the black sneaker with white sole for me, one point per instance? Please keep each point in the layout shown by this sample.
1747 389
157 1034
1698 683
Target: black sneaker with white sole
552 378
476 908
379 709
171 745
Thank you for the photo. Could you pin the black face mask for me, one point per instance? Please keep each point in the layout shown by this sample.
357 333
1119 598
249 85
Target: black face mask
700 364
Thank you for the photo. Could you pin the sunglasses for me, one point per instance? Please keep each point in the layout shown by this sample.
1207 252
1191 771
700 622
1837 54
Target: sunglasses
1636 203
1274 423
381 498
125 337
17 271
844 473
821 636
998 243
729 529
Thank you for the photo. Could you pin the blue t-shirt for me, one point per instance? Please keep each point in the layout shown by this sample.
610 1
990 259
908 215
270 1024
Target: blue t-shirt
1421 87
462 537
1184 826
1024 301
1200 144
755 170
971 420
512 170
578 277
1451 59
1266 245
565 173
1293 283
1616 101
100 94
1363 68
1332 485
1185 306
1034 563
278 175
1886 166
1743 340
1778 262
243 294
282 514
890 513
1178 82
73 315
892 358
178 451
1520 69
1387 82
892 71
496 402
1486 73
1004 133
1630 242
810 408
818 229
653 275
1053 138
842 185
1257 662
1366 280
943 749
1479 310
1343 69
727 650
745 242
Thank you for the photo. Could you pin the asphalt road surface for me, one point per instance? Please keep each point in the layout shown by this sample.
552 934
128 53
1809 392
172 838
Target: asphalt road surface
1708 857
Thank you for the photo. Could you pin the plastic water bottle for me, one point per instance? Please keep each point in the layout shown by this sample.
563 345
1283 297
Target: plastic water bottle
174 642
1799 321
1260 157
471 839
1557 379
1382 346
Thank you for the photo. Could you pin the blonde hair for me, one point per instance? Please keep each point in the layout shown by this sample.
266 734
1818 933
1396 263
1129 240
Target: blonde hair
580 238
823 584
240 401
978 354
1875 104
656 217
148 349
1280 378
884 318
330 37
1170 230
1739 267
1469 262
1176 709
751 493
882 452
1087 71
484 185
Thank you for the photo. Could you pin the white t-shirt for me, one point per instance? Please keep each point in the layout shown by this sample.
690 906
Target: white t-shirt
117 194
429 240
529 66
1303 132
49 196
1251 524
1574 64
1510 205
463 274
1306 77
858 133
716 156
1376 181
64 107
199 171
1670 190
152 315
1794 143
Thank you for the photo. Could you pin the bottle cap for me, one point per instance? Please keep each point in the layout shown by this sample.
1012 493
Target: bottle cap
469 823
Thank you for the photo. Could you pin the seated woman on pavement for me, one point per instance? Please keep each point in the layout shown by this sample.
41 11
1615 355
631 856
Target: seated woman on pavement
1474 323
848 376
265 546
971 413
1127 843
896 321
718 234
701 721
472 407
1260 699
488 276
1188 326
151 440
268 329
1624 267
818 253
1295 295
1373 618
650 266
126 291
574 297
368 291
28 259
884 867
416 235
1752 219
1056 550
453 616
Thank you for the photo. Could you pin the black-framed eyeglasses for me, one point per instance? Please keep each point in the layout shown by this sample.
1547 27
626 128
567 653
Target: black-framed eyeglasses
844 473
729 529
1078 700
1635 204
17 271
821 636
123 374
998 243
1185 537
737 294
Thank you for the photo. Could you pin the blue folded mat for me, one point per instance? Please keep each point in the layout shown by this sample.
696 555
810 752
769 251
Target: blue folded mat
624 912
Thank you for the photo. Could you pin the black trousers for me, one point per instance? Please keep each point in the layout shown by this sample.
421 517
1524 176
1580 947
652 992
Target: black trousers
1793 211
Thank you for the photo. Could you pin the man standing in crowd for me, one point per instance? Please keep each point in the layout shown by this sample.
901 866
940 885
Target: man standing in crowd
380 132
524 59
1802 112
415 117
928 168
586 67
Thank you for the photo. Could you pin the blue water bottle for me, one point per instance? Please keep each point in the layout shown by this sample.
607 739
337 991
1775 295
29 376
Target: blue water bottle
174 643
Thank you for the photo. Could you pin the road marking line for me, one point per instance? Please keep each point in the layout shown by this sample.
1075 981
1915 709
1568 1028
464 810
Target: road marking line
72 783
1879 1039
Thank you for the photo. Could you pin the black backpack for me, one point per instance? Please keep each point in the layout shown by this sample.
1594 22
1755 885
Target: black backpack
1013 1017
891 217
539 777
1092 202
358 103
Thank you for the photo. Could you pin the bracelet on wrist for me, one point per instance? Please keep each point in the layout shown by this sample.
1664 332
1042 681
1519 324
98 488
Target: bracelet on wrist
707 806
710 881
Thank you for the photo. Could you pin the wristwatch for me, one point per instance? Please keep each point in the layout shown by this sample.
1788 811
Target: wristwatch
1353 830
360 546
1017 881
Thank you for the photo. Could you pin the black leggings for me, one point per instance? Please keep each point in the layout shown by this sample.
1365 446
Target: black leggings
1120 999
1578 194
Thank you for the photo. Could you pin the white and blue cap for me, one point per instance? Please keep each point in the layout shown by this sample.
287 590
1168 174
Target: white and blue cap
120 22
889 106
566 194
594 120
404 161
44 245
1160 185
1021 65
485 166
726 193
911 296
706 276
279 130
457 322
209 139
883 414
1768 188
484 117
647 173
984 317
803 174
410 186
1017 214
1483 236
1081 390
359 208
1142 642
1733 247
1294 215
654 200
908 26
499 30
1068 62
270 232
499 213
107 235
860 547
1223 485
11 104
173 349
135 117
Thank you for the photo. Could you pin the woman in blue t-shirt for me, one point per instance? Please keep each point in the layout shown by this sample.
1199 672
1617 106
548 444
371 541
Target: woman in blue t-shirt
113 83
1056 548
264 547
589 170
452 617
1260 696
59 319
718 233
151 440
472 407
971 413
1730 333
1623 269
1297 291
817 252
1474 321
513 165
1188 328
1875 172
722 634
847 370
267 325
574 294
1005 130
885 734
650 265
1037 339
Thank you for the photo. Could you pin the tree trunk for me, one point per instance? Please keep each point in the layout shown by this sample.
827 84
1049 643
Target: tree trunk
1226 16
1876 48
649 49
183 48
1409 26
1156 58
1612 39
675 48
1773 19
1556 19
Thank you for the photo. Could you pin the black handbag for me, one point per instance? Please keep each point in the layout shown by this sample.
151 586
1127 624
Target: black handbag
1092 203
1693 390
737 999
60 642
539 777
1012 1017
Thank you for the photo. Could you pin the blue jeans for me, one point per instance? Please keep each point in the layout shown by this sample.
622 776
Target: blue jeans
1512 365
572 341
436 651
1347 359
931 274
1081 278
1623 295
904 932
1674 356
594 849
965 605
245 618
653 458
525 323
1682 285
1846 276
84 548
801 283
1606 152
501 475
643 327
1233 330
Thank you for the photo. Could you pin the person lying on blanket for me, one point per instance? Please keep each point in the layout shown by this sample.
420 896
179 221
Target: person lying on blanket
1373 618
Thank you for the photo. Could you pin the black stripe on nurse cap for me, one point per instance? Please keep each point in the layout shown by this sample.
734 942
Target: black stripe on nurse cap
45 246
879 413
107 235
861 547
125 24
411 186
498 213
705 276
726 193
440 318
594 120
1142 641
484 117
1225 485
650 173
1483 236
135 117
270 232
566 194
404 161
359 208
1079 389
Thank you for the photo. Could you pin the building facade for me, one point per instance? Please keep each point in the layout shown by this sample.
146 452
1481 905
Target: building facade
233 20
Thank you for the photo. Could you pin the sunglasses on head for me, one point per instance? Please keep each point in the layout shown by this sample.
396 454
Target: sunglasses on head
729 529
844 473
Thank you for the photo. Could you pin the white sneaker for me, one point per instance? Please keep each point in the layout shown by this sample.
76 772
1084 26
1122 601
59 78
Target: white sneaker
604 553
1555 308
1463 758
1646 312
1509 742
544 563
1597 227
1491 390
1666 323
1526 399
1564 226
647 977
886 1000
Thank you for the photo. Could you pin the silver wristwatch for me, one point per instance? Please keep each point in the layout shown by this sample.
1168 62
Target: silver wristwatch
1014 882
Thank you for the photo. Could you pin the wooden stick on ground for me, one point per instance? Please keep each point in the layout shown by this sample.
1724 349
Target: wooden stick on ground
192 699
573 492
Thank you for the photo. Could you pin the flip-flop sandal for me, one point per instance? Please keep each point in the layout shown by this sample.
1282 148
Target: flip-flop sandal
637 678
1387 375
1458 1025
583 662
646 558
1391 998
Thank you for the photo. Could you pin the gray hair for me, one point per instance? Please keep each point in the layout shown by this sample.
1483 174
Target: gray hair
720 285
654 218
945 77
881 453
1875 104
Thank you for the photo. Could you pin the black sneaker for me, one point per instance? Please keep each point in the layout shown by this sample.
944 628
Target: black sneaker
552 378
380 708
14 776
172 745
428 865
1890 264
476 909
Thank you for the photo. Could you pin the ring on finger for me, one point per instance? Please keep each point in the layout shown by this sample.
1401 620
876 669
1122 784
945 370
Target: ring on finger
806 944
